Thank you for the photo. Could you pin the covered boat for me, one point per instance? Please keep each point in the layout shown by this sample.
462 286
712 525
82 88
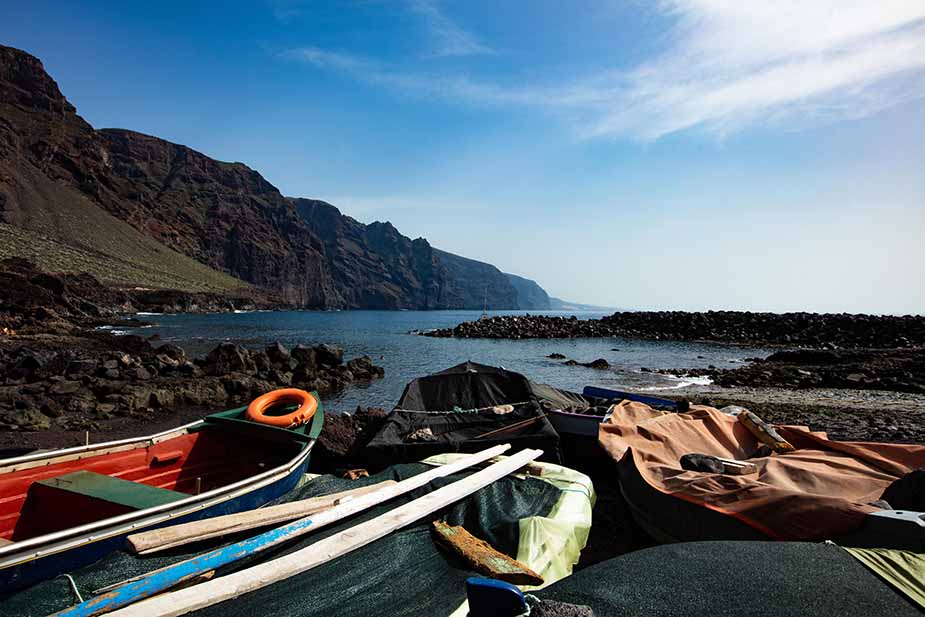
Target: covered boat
580 414
823 490
465 408
63 509
747 579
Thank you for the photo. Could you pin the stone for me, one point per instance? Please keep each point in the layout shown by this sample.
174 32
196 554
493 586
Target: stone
26 420
140 373
162 398
166 363
599 364
303 374
175 352
329 355
229 358
80 367
262 362
64 387
51 408
277 352
556 356
363 368
302 354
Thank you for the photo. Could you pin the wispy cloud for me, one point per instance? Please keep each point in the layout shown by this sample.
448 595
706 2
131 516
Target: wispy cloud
726 65
447 37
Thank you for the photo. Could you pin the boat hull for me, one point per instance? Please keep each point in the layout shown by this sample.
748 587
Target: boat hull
50 566
31 560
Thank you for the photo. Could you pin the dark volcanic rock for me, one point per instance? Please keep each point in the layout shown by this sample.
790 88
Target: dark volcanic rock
785 329
229 358
329 355
75 382
900 370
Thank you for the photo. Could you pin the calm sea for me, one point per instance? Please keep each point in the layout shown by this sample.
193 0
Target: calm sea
386 336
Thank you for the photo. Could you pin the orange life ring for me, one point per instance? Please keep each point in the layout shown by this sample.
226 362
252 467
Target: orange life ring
256 411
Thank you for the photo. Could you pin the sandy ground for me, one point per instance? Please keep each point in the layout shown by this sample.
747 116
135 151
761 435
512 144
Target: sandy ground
847 415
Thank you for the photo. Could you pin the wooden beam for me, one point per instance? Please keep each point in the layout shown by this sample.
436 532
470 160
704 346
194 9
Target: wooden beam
482 557
166 578
256 577
155 540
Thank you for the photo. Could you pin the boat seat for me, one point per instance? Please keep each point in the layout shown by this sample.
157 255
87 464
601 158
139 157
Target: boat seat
83 497
125 493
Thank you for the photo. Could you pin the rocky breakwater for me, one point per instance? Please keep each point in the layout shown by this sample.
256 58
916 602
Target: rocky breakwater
815 330
898 370
81 389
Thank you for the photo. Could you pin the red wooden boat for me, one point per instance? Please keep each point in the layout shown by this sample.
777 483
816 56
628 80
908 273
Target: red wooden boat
63 509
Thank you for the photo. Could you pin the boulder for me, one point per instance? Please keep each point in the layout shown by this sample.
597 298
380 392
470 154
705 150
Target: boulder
302 354
83 366
278 353
329 355
363 368
64 387
229 358
26 420
172 351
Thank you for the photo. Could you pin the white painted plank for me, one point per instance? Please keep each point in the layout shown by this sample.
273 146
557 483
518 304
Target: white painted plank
256 577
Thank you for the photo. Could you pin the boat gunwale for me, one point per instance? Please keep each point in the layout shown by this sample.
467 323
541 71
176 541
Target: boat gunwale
9 465
60 541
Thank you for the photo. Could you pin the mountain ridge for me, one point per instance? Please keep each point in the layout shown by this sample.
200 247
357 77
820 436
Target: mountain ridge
136 204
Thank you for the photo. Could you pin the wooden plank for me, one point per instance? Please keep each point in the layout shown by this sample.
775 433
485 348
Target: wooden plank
482 557
256 577
166 578
155 540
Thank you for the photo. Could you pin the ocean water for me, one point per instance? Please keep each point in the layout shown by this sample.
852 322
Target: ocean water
388 338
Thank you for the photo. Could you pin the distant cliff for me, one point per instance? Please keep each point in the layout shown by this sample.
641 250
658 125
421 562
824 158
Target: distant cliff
530 296
136 210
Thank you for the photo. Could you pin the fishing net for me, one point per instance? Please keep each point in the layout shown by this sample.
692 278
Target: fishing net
401 574
757 579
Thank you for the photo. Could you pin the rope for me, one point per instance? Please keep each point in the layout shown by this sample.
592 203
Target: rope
459 410
74 589
511 426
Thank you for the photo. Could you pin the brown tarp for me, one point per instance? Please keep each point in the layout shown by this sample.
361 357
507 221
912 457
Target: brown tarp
820 491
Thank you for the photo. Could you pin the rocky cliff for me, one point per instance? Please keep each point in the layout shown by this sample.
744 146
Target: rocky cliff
138 210
530 296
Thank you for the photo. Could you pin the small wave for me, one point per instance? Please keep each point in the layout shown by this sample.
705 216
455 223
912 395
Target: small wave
683 382
119 332
148 314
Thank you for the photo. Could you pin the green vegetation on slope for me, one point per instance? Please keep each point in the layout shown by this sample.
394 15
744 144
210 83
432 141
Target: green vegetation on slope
130 264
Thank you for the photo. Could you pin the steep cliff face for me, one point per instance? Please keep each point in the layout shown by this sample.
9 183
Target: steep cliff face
530 296
476 284
374 265
139 210
57 170
378 267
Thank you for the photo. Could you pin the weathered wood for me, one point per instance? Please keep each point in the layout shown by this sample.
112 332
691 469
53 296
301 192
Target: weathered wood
482 557
155 540
737 468
256 577
765 433
169 577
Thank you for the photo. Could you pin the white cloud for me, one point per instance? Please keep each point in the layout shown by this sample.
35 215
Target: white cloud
726 65
447 37
730 64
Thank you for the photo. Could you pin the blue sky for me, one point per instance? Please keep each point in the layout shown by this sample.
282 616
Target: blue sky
686 154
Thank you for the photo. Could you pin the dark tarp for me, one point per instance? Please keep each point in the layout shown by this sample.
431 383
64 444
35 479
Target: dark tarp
726 579
401 574
458 403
